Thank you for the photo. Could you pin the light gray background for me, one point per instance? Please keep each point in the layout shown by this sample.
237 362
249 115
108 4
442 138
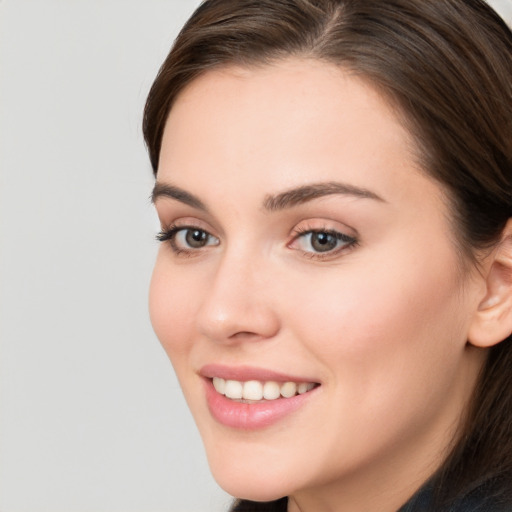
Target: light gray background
91 416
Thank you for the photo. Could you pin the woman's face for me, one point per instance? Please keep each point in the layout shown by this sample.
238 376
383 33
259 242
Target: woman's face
303 250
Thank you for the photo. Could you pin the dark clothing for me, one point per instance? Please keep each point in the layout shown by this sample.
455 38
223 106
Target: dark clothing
482 499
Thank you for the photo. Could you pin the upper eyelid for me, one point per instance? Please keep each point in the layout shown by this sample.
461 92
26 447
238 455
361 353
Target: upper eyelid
187 222
325 225
173 213
334 232
176 209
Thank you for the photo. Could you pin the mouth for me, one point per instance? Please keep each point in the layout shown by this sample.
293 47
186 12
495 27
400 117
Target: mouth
247 398
254 391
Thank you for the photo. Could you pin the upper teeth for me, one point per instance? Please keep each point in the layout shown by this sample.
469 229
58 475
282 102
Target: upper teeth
256 390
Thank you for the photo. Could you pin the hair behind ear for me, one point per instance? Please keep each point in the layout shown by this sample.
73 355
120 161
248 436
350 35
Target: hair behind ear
483 455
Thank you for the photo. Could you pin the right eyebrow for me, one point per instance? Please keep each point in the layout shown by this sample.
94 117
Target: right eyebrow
178 194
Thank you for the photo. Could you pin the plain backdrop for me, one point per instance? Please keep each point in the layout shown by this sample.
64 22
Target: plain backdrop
91 416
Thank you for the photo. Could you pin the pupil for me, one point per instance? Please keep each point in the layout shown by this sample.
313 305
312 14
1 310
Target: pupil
196 238
323 242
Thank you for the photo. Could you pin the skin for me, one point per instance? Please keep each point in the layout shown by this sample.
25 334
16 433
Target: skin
382 325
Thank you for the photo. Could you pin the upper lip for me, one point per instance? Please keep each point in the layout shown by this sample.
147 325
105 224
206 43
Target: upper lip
246 373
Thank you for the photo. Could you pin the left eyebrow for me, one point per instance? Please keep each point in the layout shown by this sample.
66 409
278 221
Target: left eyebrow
299 195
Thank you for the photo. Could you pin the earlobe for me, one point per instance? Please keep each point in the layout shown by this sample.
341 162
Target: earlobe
492 322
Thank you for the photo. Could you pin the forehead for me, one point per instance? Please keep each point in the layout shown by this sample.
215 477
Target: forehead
274 127
301 89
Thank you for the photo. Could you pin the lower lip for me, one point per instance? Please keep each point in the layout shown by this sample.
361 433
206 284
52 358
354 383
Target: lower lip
251 416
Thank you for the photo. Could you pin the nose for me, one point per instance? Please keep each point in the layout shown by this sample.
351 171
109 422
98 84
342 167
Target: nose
238 305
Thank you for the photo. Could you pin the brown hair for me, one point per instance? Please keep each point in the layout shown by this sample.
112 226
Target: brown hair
447 66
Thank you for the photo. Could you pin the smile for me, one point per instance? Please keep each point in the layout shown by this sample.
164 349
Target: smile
246 398
255 391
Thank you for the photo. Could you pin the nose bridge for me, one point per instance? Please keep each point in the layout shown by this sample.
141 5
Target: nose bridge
238 301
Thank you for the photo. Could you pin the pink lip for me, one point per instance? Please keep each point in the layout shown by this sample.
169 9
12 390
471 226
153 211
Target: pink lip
245 373
244 416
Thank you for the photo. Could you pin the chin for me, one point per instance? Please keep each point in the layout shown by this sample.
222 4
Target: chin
256 480
247 488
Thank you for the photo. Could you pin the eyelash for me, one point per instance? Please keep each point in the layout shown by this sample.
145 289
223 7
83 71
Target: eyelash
169 235
349 242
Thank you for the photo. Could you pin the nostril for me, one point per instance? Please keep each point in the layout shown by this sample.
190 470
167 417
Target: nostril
232 311
235 322
245 335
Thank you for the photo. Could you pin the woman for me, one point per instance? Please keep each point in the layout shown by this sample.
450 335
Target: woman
334 286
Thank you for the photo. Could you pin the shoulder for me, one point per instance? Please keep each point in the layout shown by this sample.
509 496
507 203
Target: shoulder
484 498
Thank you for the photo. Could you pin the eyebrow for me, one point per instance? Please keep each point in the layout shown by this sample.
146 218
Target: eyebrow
272 203
299 195
172 192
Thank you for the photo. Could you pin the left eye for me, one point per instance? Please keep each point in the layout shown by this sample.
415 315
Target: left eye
323 241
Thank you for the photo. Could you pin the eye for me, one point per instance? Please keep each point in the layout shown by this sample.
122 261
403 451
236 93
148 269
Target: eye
318 242
193 238
187 238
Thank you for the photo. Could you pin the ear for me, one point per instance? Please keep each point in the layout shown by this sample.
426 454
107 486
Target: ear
492 322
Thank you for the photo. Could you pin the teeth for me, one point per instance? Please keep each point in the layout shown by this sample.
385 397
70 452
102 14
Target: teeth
219 385
271 390
233 389
304 387
288 389
255 391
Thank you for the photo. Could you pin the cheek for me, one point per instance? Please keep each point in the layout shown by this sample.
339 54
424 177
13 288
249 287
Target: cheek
405 286
392 325
171 309
389 350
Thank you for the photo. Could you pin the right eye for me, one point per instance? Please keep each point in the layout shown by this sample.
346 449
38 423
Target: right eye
187 238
